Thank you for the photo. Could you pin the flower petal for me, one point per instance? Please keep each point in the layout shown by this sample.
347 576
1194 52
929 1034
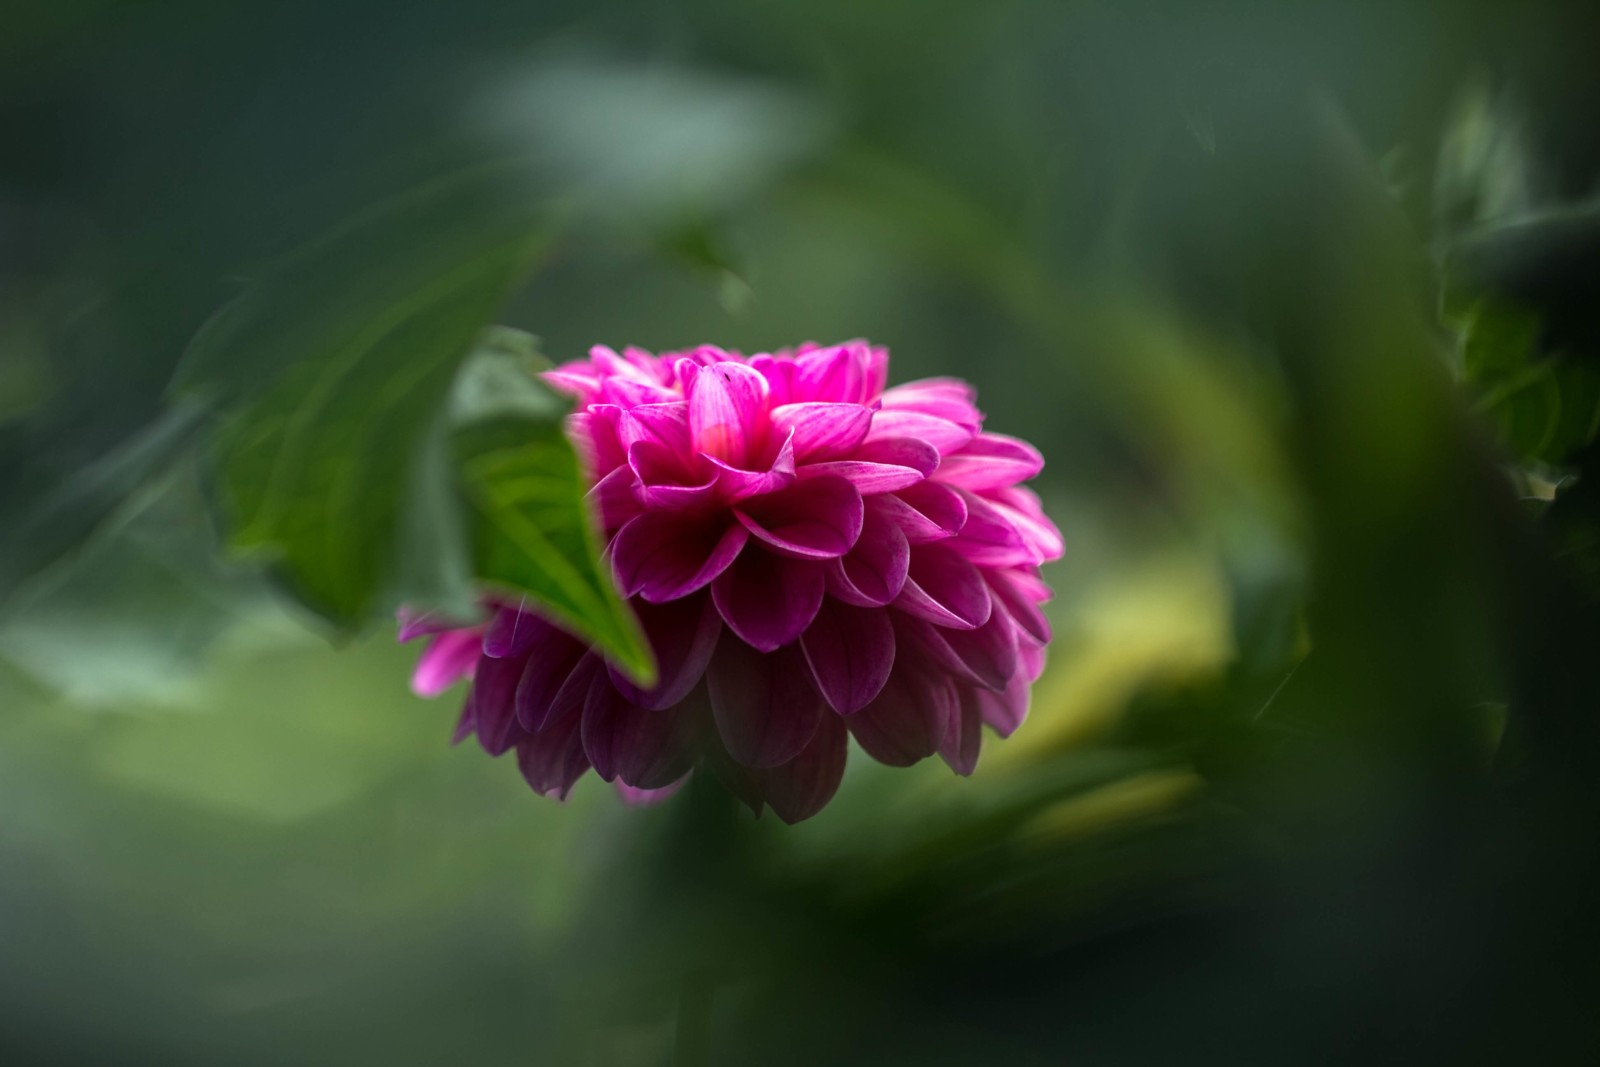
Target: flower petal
494 703
816 519
942 434
907 720
769 599
666 425
948 398
511 633
764 704
556 656
882 466
736 483
664 555
802 787
926 511
613 499
989 461
668 479
988 653
448 658
1021 592
850 651
1021 507
945 589
643 798
727 410
989 537
1004 711
646 749
823 431
553 760
683 634
837 373
964 737
873 572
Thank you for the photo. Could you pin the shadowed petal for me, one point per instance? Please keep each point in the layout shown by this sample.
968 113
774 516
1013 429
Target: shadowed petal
990 537
736 483
988 653
873 572
555 658
1004 711
663 555
494 703
768 599
802 787
646 749
1020 593
613 498
466 722
643 798
850 651
511 633
683 634
571 695
816 519
908 719
944 589
764 704
964 737
670 479
823 431
553 760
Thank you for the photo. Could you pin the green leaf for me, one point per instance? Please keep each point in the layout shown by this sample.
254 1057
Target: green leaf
530 528
340 360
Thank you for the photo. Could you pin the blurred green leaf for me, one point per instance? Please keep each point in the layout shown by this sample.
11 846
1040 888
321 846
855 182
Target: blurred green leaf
530 528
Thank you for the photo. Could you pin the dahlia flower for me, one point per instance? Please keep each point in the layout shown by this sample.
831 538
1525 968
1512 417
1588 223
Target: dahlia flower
810 554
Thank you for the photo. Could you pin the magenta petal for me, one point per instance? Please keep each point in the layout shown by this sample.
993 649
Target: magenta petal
925 512
415 624
1020 593
873 572
942 434
882 466
989 461
823 431
551 665
1021 507
553 760
735 483
838 373
466 722
802 787
850 651
646 749
989 653
683 634
1005 710
964 737
768 599
449 658
593 434
945 589
511 633
668 479
664 555
990 538
573 693
666 425
613 500
764 704
727 408
643 798
815 519
907 720
948 398
494 703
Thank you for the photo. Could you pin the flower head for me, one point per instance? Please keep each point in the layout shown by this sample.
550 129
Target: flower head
810 554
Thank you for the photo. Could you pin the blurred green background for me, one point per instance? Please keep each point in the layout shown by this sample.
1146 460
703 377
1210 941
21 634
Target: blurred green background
1299 300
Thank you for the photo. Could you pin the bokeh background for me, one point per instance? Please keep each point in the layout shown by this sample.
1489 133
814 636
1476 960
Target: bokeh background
1299 300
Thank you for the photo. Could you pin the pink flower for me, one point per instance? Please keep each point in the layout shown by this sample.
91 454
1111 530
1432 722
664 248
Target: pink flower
810 554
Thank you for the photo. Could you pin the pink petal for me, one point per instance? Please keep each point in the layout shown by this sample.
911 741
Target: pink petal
593 434
942 434
613 499
494 703
837 374
823 431
1004 711
926 511
415 624
727 409
735 483
850 651
1020 593
948 398
664 424
802 787
990 537
646 749
669 479
907 720
988 654
642 798
683 634
989 461
511 633
945 589
664 555
816 519
764 705
449 658
1021 507
768 599
881 466
780 376
555 681
553 760
873 572
964 737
